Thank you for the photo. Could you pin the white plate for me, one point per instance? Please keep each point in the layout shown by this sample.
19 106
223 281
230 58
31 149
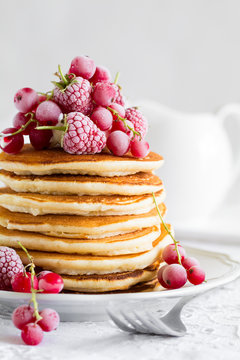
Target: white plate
220 269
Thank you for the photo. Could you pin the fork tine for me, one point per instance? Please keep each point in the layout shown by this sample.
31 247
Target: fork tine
167 330
138 327
119 323
148 324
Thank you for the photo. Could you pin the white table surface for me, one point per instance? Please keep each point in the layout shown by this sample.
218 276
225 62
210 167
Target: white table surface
212 319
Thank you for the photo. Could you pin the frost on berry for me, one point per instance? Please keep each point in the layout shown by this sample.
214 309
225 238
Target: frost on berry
102 74
139 122
83 66
10 264
76 96
119 97
83 136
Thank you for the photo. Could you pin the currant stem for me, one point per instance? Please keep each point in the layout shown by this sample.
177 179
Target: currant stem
168 231
116 77
62 76
60 128
48 94
33 291
22 128
125 123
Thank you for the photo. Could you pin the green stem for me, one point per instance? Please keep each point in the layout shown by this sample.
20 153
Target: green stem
48 94
60 128
33 291
62 76
22 128
168 231
116 77
125 123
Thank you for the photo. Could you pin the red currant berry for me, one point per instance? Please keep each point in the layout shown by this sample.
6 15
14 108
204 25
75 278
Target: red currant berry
12 144
118 143
102 118
32 334
40 139
189 262
82 66
20 120
104 94
51 283
119 109
196 275
169 254
101 74
41 98
50 320
119 125
139 148
48 112
21 282
25 100
42 273
175 276
22 316
160 278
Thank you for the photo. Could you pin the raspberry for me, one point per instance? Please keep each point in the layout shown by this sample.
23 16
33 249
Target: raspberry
83 136
75 97
118 98
73 93
138 120
10 264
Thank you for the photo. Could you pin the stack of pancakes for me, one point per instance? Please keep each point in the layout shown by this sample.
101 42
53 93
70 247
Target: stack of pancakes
90 218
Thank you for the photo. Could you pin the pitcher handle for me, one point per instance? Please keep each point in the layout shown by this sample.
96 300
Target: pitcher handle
232 109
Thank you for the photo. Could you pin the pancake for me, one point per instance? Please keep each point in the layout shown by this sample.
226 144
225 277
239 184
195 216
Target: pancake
85 264
57 161
136 184
41 204
134 242
145 286
112 282
74 226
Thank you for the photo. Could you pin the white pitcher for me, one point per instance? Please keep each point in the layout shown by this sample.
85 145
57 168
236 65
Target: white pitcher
200 166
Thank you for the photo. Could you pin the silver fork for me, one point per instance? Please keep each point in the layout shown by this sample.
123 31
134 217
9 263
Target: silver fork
146 323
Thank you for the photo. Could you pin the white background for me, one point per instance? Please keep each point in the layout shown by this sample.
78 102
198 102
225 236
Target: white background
184 54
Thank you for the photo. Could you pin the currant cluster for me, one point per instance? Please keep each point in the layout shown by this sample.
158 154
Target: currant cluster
86 106
179 268
14 276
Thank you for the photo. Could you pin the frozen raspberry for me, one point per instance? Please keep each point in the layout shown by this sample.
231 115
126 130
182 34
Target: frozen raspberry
10 264
119 97
139 122
83 136
73 94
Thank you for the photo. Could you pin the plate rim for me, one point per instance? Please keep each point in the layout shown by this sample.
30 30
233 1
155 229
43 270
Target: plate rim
229 276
